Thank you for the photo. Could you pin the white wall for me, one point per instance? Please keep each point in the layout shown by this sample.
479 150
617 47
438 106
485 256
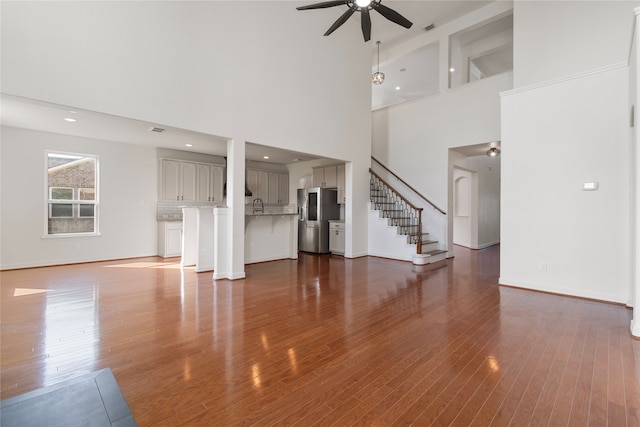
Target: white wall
555 236
224 68
413 139
127 197
252 71
557 38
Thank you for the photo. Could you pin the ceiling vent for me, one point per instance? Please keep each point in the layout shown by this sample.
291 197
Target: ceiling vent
429 27
155 129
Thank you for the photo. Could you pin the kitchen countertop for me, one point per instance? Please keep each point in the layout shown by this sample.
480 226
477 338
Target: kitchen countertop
269 213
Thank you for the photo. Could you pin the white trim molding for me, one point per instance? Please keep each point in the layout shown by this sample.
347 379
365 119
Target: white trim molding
564 79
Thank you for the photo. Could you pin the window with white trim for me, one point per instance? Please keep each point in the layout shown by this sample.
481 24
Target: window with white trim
72 203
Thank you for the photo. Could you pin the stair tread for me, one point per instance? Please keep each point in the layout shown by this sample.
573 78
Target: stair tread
435 252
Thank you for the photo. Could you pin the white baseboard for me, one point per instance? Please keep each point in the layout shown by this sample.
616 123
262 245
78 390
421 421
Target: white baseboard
357 255
600 296
635 328
390 256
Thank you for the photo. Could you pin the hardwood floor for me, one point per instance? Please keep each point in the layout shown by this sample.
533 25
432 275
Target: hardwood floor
323 341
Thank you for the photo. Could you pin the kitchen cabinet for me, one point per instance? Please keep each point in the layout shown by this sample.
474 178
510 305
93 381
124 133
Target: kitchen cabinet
278 188
271 187
325 176
185 181
336 237
341 184
178 181
170 180
283 188
169 238
258 183
210 183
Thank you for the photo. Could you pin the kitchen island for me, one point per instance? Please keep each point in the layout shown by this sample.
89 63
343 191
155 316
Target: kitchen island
270 235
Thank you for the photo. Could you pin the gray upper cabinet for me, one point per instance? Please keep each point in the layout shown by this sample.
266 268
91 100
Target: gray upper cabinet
210 183
271 187
184 181
325 176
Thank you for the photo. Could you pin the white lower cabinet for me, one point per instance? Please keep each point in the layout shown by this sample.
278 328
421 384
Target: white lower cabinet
169 238
336 237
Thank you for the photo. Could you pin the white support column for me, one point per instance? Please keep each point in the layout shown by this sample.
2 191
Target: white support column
634 82
235 204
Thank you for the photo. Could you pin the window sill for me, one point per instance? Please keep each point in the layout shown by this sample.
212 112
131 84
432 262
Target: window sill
69 235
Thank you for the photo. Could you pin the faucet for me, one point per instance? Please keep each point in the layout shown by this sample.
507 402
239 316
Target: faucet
261 208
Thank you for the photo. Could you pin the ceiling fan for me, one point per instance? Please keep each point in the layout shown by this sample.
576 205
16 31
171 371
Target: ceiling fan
364 6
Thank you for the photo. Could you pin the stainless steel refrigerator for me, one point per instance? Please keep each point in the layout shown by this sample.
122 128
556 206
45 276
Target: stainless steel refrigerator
316 206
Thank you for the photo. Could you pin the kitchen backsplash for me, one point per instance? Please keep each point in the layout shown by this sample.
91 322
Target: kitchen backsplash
170 211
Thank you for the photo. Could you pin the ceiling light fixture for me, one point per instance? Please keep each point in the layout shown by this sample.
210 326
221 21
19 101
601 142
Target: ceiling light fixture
69 119
188 145
265 157
493 152
364 7
378 78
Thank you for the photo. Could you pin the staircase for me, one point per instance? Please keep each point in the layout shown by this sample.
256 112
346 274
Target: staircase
406 219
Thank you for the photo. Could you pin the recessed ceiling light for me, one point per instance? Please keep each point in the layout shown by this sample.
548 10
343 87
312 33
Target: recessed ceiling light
265 157
73 112
296 160
397 87
69 119
188 145
451 70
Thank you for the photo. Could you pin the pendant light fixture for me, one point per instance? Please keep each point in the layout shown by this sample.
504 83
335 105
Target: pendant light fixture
378 78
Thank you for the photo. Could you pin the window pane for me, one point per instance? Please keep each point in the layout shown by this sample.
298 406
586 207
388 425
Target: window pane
59 193
59 210
86 194
86 210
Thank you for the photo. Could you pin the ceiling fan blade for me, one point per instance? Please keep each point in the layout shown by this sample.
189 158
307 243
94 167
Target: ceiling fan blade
365 22
341 20
391 15
323 5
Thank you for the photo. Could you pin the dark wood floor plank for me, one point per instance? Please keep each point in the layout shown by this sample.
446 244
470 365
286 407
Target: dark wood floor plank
519 406
583 387
551 388
320 341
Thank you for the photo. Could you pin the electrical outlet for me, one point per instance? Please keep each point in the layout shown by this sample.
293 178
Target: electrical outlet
77 246
542 267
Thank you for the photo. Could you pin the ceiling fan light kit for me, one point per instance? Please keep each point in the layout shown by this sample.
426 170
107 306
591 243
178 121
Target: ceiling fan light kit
363 6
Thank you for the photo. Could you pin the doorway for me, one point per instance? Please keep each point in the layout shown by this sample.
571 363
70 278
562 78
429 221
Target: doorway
474 197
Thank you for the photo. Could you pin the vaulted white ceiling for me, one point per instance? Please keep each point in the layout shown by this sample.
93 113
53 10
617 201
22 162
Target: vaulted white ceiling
30 114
